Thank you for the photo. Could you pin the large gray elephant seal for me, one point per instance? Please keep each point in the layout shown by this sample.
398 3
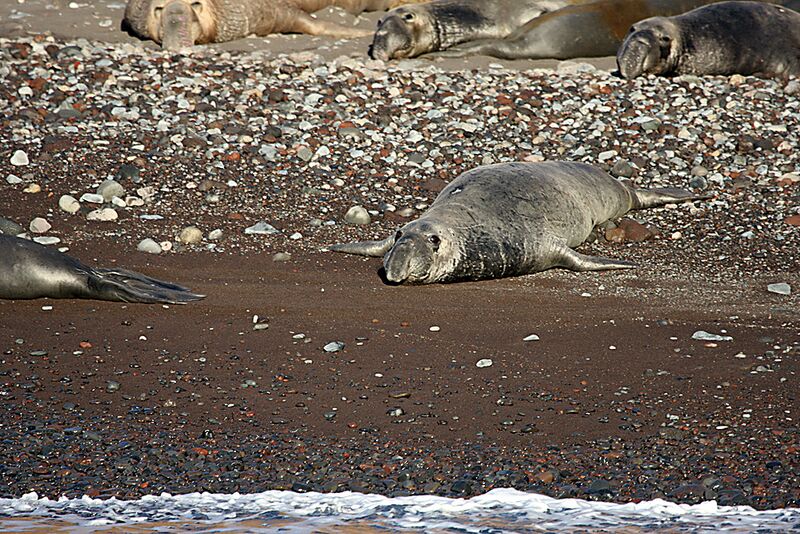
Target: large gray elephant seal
510 219
591 30
177 24
411 31
725 38
29 270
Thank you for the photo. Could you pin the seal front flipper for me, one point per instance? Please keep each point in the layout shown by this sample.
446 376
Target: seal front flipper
375 249
575 261
650 198
129 286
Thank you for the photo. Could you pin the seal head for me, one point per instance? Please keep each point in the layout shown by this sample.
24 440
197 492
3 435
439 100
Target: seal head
422 254
404 32
174 24
648 48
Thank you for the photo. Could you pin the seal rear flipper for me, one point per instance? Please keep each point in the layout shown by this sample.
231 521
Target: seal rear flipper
649 198
375 249
575 261
129 286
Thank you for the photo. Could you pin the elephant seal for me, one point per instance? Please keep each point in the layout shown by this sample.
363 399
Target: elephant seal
590 30
411 31
176 24
29 270
726 38
510 219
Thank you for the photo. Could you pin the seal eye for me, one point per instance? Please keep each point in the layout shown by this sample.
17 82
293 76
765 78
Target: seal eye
408 16
665 39
434 240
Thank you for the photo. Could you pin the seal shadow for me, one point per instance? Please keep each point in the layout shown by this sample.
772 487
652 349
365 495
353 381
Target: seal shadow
386 281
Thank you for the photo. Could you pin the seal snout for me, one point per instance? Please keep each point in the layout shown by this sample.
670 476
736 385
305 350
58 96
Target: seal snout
177 21
411 259
391 39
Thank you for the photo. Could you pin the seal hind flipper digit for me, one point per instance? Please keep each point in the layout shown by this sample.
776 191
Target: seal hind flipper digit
575 261
374 249
658 196
129 286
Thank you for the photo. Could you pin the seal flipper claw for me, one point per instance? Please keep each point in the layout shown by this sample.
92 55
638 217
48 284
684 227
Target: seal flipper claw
375 249
129 286
575 261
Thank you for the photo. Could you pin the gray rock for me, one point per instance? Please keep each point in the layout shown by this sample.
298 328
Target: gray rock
102 214
9 227
149 246
305 153
282 256
215 234
128 171
69 204
622 169
357 215
333 346
110 189
261 227
781 288
47 240
702 335
39 225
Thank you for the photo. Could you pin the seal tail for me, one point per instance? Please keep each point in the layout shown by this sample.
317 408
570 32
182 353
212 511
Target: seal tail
129 286
650 198
376 249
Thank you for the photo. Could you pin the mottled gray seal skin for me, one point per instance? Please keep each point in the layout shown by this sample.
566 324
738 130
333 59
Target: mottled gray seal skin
410 31
748 38
591 30
510 219
177 24
29 270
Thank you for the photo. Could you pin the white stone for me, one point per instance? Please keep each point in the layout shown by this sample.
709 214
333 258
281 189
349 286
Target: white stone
261 227
69 204
781 288
19 159
92 198
357 215
102 214
485 362
532 337
39 225
190 235
702 335
149 246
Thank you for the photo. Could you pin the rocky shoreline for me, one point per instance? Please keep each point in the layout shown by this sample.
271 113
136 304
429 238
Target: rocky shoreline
615 399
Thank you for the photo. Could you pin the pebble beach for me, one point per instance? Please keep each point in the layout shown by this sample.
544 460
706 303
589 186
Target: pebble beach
230 170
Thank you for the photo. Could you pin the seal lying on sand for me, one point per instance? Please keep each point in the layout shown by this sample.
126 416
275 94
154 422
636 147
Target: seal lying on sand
725 38
510 219
591 30
414 30
177 24
29 270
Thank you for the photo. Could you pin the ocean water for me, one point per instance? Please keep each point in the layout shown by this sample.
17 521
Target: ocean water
498 511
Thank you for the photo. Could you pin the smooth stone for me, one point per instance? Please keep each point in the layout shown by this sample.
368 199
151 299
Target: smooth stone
32 188
333 346
92 198
9 227
190 235
215 234
484 362
781 288
19 159
357 215
103 214
532 337
282 256
39 225
110 189
69 204
261 228
13 179
622 169
702 335
47 240
149 246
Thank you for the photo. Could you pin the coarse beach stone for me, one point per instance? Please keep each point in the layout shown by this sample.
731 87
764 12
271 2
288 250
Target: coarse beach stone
282 256
128 171
261 227
215 234
39 225
622 169
102 214
92 198
69 204
190 235
357 215
149 246
110 189
781 288
19 159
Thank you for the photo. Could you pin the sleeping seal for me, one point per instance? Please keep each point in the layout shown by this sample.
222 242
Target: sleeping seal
726 38
176 24
29 270
510 219
591 30
414 30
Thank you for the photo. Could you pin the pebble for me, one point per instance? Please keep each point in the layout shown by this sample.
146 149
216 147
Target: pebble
261 228
484 362
69 204
19 159
622 169
215 234
190 235
532 337
130 172
92 198
39 225
357 215
32 188
102 214
149 246
13 179
333 346
282 256
781 288
702 335
110 189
